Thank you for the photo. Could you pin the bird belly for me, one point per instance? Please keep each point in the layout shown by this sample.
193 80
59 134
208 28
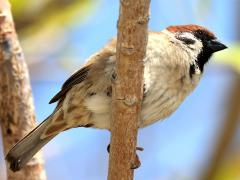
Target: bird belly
161 101
161 107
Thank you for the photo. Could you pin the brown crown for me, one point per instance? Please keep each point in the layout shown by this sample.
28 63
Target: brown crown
190 28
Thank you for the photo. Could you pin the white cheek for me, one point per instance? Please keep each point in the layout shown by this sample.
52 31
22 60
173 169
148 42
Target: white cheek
195 49
198 46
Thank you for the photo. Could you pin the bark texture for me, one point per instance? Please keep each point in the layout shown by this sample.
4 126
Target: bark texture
16 104
128 86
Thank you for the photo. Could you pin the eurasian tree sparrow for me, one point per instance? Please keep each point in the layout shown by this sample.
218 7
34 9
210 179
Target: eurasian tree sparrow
173 66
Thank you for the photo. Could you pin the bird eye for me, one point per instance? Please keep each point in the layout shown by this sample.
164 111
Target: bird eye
186 40
200 33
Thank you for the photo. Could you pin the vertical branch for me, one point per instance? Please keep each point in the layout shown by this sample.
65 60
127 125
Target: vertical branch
16 105
128 86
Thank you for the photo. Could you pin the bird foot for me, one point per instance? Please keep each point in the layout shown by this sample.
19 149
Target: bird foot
137 148
137 162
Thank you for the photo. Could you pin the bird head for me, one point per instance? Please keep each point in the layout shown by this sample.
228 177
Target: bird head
197 40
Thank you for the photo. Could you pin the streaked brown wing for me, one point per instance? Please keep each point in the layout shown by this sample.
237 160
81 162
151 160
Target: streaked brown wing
76 78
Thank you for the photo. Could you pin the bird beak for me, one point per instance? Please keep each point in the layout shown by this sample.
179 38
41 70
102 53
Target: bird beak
215 45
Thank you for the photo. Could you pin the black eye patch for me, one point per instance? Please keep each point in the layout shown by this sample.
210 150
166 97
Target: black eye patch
186 40
203 35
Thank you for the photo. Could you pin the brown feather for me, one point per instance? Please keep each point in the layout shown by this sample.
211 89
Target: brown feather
189 28
76 78
93 65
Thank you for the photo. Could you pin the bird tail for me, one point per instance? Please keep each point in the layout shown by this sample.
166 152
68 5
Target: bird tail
25 149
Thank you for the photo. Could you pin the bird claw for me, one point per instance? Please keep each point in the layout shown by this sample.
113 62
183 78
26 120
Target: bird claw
137 162
137 148
108 148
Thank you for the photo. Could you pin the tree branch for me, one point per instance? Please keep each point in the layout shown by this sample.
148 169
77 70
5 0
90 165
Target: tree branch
128 86
16 105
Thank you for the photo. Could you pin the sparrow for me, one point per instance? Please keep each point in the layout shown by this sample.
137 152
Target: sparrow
173 66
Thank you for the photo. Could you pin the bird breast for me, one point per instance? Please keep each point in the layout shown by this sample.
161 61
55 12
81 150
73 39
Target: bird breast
166 78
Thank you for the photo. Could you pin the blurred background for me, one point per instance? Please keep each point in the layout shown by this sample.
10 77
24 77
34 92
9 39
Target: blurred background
202 137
